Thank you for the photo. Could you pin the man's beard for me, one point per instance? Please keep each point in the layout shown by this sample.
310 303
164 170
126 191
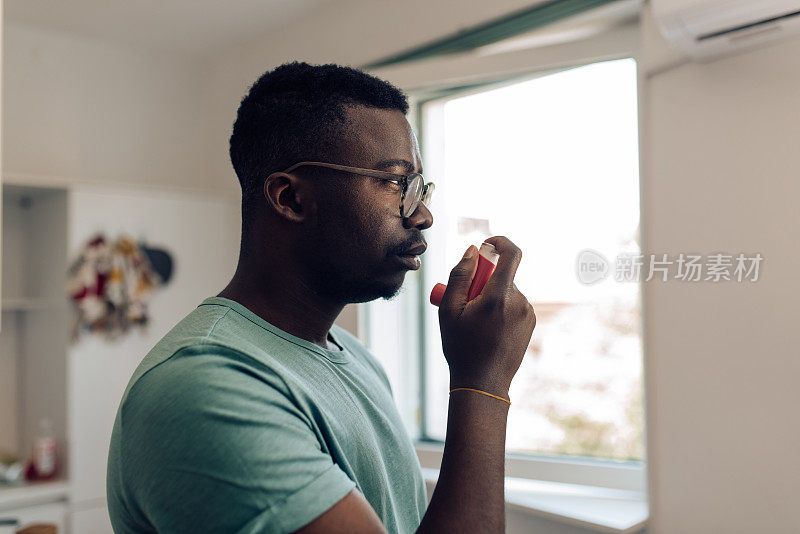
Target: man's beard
354 289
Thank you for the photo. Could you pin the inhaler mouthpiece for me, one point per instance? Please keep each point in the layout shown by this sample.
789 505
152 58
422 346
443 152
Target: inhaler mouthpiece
487 261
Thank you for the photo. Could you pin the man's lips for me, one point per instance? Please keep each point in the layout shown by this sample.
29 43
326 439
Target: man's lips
409 262
415 250
410 257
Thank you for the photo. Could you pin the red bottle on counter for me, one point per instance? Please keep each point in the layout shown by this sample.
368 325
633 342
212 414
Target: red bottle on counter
43 464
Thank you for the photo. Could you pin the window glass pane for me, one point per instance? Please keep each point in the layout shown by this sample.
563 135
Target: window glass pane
552 163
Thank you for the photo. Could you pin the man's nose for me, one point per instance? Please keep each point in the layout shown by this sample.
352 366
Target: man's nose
422 218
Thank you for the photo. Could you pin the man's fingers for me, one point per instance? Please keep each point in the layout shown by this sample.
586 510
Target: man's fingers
455 296
507 263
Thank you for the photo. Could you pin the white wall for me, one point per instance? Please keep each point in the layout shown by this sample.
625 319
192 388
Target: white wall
8 365
86 110
721 175
196 230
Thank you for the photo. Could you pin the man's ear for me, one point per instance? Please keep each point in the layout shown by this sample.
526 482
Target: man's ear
289 196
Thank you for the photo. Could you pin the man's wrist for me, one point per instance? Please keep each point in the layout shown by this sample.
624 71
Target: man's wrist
492 387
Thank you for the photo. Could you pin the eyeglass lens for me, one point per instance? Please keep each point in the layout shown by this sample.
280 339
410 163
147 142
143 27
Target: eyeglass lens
415 194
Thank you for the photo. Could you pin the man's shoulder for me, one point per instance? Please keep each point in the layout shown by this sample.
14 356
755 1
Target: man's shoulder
208 344
193 330
214 327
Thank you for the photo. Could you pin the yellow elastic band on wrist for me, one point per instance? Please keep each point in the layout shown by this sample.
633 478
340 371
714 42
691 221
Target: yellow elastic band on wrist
482 393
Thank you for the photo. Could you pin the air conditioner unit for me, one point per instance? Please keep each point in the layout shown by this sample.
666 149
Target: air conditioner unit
704 29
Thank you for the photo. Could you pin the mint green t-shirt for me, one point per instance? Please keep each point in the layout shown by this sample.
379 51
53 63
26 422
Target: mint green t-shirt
230 424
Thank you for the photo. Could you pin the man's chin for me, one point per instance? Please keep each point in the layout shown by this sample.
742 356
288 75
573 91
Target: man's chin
377 290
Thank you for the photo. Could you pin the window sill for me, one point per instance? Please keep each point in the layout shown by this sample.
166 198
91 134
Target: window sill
598 509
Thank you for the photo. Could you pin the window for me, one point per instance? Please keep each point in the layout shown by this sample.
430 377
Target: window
552 163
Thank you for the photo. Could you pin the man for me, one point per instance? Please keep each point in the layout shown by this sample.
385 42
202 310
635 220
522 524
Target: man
256 413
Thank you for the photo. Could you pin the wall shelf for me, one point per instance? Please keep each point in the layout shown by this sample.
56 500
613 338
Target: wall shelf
30 304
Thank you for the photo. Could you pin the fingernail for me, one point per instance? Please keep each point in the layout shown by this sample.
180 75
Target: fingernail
470 251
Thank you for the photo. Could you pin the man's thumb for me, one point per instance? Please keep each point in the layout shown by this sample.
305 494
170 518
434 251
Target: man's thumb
455 296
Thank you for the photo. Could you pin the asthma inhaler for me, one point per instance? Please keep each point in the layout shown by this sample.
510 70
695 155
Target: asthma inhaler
487 261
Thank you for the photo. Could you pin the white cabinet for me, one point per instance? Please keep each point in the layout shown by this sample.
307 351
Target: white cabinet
33 341
79 385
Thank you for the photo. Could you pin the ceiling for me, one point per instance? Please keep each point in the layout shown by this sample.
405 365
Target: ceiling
191 27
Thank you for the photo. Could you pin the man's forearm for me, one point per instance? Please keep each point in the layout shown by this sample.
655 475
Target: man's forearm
469 495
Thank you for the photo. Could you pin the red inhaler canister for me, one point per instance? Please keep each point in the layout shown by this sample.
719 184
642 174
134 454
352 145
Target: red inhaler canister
487 261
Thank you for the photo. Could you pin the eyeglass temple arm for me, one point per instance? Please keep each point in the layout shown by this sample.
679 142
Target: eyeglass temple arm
366 172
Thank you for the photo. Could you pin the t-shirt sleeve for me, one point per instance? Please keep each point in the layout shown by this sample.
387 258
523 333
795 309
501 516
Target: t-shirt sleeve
213 443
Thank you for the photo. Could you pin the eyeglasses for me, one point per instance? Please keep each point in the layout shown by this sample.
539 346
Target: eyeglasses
415 190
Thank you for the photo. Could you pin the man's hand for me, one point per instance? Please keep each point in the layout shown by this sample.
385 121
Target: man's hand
485 339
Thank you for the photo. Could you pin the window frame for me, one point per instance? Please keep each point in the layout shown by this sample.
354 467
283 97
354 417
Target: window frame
602 472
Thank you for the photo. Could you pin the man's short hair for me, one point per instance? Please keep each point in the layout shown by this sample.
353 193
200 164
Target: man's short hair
296 112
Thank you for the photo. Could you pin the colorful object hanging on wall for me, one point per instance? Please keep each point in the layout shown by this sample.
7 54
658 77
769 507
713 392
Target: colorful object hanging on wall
111 284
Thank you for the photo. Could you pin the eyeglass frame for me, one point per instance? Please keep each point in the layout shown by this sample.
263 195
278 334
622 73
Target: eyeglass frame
401 179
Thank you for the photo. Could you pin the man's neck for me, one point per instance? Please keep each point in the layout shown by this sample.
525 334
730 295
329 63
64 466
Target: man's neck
285 302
